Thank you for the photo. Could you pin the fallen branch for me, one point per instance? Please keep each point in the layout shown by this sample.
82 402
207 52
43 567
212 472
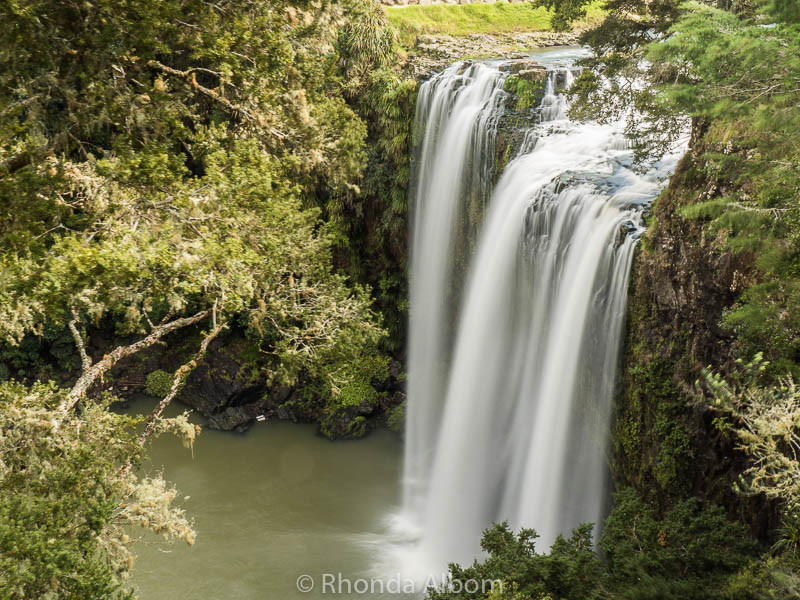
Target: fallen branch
775 213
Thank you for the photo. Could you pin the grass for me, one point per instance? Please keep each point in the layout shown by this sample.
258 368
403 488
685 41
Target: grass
464 19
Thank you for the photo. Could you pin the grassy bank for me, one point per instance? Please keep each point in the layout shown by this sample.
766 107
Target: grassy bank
464 19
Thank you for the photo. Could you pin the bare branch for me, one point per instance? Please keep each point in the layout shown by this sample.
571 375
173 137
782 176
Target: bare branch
773 212
86 362
177 383
189 77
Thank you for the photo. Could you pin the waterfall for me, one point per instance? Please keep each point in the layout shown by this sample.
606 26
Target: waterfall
512 365
458 110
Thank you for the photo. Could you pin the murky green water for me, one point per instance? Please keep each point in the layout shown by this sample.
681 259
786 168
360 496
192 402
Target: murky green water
269 506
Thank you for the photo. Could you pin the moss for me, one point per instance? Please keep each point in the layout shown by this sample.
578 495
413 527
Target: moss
348 410
651 437
347 429
396 420
683 285
526 93
158 383
371 226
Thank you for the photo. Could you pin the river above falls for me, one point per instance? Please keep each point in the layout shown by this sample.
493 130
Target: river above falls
269 506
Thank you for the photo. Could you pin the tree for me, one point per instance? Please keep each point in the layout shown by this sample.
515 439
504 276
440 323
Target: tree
691 551
159 168
766 422
155 172
69 508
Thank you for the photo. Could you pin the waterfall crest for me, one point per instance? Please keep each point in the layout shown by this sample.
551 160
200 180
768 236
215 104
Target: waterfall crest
511 370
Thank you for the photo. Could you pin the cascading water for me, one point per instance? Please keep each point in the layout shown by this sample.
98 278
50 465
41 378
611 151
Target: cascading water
457 109
511 374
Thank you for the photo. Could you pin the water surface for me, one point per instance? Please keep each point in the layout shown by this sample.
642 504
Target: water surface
269 505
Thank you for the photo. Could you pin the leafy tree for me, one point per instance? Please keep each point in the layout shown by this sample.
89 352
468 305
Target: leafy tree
159 170
155 163
70 508
766 421
691 551
571 570
372 218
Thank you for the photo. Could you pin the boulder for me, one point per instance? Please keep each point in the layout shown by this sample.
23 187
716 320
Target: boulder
223 378
534 75
235 418
525 64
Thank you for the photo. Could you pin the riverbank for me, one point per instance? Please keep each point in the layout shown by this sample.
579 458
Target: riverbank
432 53
462 20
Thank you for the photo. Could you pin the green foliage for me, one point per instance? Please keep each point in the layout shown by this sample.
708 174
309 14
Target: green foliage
689 552
764 579
566 13
571 570
786 11
371 221
788 542
656 412
168 160
365 43
767 315
528 93
340 397
68 506
158 383
396 421
766 421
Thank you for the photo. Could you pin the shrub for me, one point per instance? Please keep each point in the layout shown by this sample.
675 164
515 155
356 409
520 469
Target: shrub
158 383
690 552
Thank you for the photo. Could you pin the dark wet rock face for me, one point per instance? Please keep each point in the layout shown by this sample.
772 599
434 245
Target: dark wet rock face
664 442
223 379
235 418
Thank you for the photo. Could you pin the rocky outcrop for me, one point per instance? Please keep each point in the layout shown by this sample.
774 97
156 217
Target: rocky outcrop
664 442
526 85
229 388
432 53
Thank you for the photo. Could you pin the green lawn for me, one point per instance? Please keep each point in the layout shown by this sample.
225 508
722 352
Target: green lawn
463 19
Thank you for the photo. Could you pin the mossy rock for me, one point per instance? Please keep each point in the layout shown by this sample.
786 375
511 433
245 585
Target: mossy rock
158 383
396 421
527 88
